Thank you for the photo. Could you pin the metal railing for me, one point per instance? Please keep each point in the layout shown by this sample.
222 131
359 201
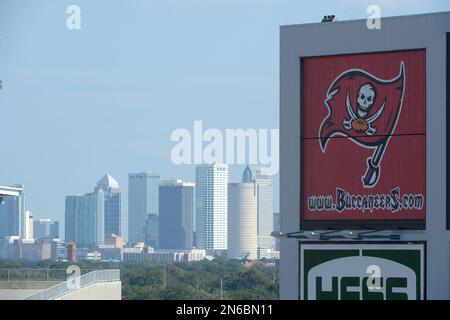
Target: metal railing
18 275
76 283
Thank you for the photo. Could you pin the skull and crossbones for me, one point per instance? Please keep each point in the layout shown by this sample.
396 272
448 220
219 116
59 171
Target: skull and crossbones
359 121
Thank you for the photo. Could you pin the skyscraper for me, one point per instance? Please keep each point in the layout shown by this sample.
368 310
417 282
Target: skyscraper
262 178
152 231
176 215
72 217
211 202
72 252
242 221
29 232
54 230
113 206
143 199
85 216
13 214
45 229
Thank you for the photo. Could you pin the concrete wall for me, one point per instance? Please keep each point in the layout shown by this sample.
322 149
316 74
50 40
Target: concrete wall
38 285
97 291
17 290
398 33
16 294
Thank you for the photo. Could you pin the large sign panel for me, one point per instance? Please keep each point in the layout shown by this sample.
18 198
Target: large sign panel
363 141
362 271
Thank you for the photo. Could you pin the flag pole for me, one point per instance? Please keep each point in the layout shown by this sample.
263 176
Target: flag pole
372 174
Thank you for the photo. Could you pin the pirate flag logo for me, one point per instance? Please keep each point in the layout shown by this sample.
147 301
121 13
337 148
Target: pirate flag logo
365 109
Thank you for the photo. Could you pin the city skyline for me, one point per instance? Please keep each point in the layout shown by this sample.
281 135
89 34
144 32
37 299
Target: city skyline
107 182
108 186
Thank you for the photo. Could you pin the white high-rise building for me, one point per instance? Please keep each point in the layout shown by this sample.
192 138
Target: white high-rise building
242 221
29 234
262 178
143 203
113 206
211 207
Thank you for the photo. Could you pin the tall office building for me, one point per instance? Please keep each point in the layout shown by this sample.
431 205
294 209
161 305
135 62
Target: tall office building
58 250
152 231
211 207
72 252
113 206
13 217
176 215
262 178
143 198
45 229
242 221
29 233
85 216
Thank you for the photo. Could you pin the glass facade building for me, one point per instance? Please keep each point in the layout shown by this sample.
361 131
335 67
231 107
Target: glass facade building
176 215
13 214
45 229
85 214
143 200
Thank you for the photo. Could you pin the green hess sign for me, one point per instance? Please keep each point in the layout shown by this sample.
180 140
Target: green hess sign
362 271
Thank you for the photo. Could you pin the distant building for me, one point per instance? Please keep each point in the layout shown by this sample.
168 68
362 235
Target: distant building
94 256
10 248
270 254
276 227
152 230
242 221
262 177
13 214
14 248
143 199
35 250
45 229
72 252
135 249
166 256
58 250
176 215
211 207
113 206
84 254
110 252
29 234
118 242
84 221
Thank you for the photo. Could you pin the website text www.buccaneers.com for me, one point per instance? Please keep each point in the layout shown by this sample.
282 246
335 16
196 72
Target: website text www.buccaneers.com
394 201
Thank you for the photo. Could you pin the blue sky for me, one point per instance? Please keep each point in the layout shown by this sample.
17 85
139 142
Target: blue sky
77 104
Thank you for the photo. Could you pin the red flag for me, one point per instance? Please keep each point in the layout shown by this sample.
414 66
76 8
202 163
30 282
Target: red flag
365 109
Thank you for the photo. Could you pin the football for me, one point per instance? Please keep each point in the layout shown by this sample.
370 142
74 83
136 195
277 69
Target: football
359 125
